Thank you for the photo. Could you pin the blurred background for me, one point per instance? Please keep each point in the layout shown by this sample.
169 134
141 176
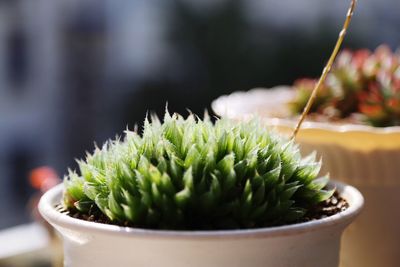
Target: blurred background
75 72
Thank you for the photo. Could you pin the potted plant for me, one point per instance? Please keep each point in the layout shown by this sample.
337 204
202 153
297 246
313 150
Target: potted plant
354 124
190 192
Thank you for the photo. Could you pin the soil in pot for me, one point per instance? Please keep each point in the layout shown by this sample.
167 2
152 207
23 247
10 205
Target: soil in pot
329 207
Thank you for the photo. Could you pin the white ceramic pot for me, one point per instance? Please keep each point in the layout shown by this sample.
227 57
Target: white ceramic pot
363 156
307 244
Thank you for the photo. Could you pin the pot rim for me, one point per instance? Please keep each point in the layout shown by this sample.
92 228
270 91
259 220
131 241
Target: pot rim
50 199
221 107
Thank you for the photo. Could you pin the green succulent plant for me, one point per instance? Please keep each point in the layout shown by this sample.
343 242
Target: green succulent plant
188 173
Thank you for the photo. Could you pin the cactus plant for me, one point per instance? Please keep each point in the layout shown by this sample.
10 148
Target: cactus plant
187 173
362 87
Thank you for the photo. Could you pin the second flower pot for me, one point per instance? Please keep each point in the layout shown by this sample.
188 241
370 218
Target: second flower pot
360 155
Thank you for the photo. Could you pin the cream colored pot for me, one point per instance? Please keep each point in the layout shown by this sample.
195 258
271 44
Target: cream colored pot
307 244
363 156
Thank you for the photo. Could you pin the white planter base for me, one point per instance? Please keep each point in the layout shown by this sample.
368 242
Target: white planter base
311 244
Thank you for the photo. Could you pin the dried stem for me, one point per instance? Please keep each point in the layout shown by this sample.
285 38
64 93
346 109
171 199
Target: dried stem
327 67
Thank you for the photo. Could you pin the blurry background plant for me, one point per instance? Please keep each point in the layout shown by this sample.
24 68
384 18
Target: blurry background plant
363 87
74 71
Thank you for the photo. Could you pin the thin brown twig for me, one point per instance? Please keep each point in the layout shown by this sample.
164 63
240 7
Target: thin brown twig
327 67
